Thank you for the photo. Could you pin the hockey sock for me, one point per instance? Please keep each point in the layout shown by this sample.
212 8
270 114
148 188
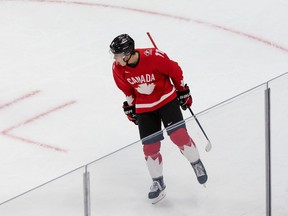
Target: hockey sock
186 145
153 159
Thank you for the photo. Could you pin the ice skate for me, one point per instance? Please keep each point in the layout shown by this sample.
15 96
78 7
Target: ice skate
157 190
200 171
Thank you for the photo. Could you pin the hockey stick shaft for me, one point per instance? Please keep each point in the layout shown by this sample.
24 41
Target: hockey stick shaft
198 123
152 41
209 145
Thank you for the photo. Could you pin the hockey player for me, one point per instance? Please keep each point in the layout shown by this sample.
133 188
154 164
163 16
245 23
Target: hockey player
154 88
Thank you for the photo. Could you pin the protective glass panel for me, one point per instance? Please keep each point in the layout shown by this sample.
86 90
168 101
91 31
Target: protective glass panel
279 148
237 161
236 168
63 196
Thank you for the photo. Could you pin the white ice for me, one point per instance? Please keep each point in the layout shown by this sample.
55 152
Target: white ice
62 110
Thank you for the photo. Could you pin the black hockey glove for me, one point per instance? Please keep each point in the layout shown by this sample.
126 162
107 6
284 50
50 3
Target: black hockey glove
130 112
184 97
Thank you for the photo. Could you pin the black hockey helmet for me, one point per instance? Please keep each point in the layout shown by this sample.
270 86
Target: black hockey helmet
122 44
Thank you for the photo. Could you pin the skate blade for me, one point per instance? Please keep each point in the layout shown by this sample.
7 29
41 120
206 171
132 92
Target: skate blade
159 198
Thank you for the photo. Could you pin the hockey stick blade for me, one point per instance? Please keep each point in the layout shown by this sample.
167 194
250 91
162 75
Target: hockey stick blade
208 146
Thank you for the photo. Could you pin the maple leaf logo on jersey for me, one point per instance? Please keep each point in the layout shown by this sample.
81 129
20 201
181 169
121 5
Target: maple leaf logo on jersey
146 88
148 52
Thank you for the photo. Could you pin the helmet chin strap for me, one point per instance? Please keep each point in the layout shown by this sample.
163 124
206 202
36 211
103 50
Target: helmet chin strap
127 59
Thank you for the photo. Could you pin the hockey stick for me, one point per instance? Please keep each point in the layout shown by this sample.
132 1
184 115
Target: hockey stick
209 145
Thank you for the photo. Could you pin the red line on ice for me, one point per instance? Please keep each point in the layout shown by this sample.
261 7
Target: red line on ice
230 30
7 132
34 142
26 96
39 116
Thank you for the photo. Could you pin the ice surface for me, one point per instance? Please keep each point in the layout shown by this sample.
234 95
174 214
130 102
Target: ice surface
60 109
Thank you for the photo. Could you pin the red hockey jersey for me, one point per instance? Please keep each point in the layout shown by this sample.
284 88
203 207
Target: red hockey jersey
152 83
